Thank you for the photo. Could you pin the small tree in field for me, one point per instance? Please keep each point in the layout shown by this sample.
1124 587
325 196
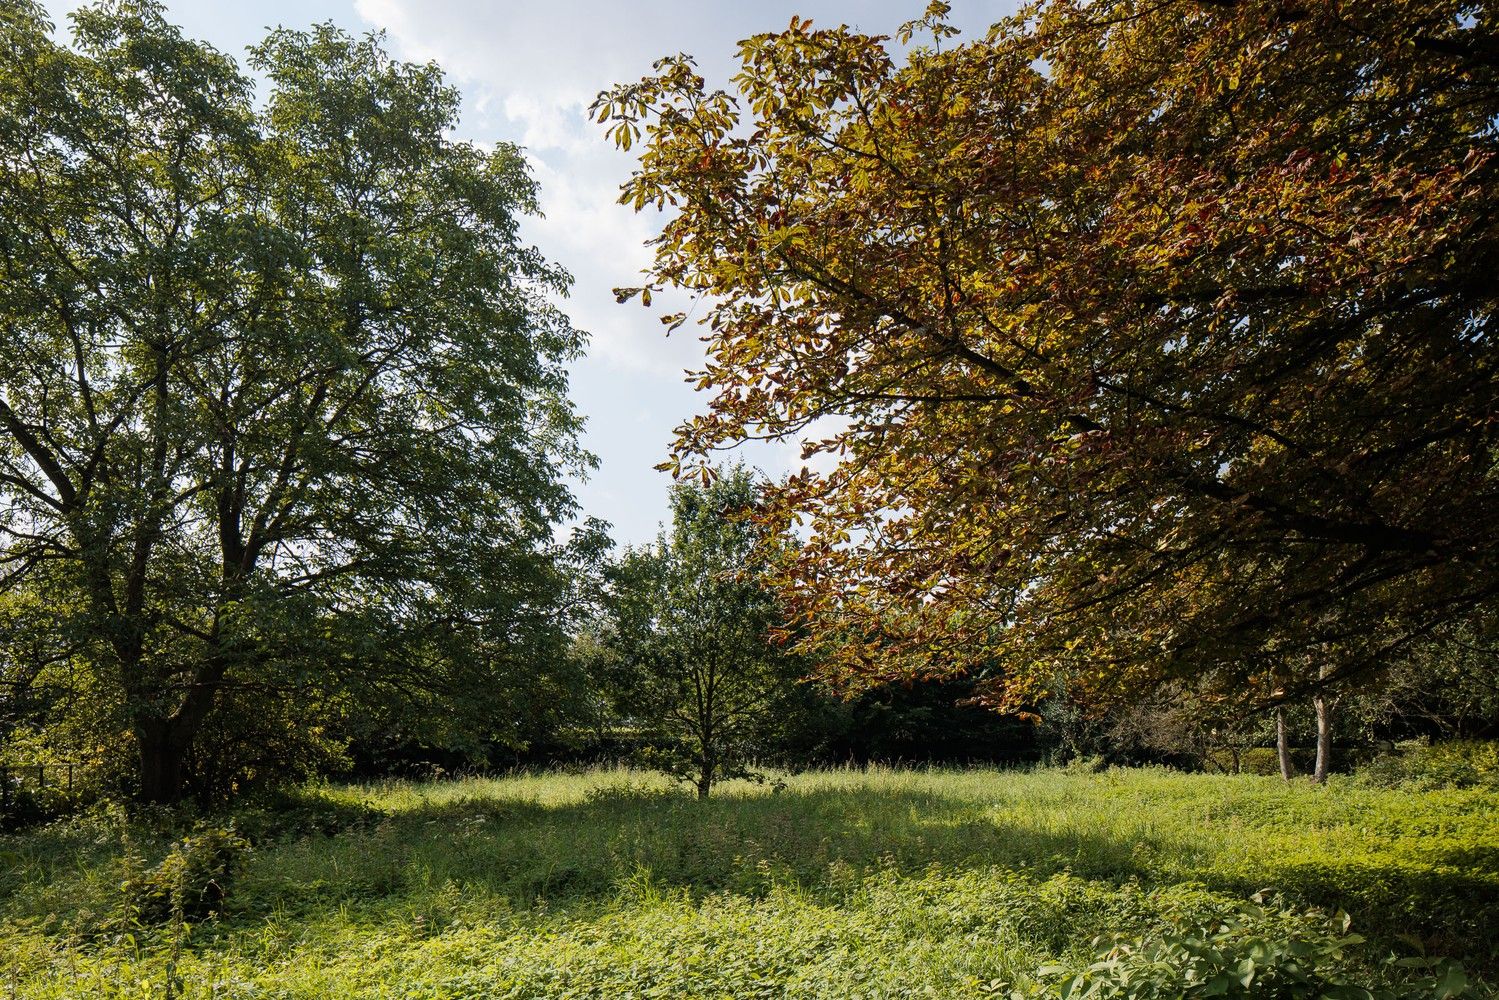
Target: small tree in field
691 624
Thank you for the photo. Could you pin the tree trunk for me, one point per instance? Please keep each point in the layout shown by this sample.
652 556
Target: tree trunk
161 758
1323 708
1282 743
706 766
163 742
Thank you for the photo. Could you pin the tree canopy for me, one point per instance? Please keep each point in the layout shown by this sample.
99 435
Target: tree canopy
282 393
1133 340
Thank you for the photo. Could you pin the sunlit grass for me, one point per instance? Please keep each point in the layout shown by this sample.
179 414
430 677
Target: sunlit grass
843 882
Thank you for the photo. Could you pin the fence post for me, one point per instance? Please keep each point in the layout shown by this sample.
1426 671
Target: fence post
4 788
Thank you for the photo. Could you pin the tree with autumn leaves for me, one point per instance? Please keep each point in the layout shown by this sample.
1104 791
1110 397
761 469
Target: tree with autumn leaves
1135 343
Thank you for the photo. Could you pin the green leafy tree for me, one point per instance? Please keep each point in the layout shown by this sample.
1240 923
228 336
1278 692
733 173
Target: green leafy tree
1445 689
280 386
691 623
489 677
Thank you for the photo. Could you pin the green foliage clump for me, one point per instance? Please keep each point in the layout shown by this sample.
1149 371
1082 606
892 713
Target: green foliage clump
1266 761
40 783
191 882
1255 950
630 794
288 816
1450 764
251 743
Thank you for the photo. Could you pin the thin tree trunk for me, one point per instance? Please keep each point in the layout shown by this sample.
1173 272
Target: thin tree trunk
1282 743
1323 706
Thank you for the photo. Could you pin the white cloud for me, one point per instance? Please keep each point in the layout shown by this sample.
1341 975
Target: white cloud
528 72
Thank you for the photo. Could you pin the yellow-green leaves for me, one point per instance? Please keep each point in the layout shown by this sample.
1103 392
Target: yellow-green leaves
1158 337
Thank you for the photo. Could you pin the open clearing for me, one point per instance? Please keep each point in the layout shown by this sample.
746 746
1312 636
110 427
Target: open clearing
878 883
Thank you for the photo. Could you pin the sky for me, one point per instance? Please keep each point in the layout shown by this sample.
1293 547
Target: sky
528 71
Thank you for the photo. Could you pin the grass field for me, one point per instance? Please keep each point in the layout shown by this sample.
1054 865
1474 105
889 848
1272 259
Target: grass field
839 884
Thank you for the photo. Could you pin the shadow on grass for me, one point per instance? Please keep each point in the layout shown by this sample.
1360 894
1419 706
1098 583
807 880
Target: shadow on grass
579 856
317 854
584 852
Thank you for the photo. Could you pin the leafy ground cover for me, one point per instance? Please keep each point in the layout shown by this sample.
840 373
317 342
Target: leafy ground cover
878 883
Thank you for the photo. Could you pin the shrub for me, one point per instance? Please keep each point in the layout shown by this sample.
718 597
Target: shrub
191 881
41 782
1263 761
254 741
1452 764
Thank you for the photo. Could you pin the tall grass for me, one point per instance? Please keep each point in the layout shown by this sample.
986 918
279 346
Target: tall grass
844 882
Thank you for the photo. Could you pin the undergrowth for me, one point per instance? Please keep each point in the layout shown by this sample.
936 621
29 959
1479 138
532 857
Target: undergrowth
882 883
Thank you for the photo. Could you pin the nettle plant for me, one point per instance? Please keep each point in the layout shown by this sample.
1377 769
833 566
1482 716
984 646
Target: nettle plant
1258 950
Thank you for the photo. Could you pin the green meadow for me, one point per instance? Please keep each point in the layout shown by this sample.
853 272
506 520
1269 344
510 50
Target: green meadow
841 883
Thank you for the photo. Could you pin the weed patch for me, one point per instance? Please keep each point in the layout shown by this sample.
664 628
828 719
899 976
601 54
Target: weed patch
878 883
